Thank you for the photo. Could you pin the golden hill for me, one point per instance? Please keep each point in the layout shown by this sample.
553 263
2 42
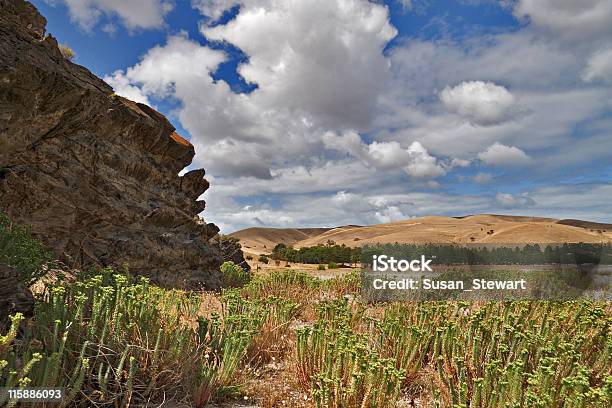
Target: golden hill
479 229
258 240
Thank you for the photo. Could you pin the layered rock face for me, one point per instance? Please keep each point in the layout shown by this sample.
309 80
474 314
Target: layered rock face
94 174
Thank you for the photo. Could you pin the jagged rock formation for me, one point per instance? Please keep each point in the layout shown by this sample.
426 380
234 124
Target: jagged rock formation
14 296
231 250
94 174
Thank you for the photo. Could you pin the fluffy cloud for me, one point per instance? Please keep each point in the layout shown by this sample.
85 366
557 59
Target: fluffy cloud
422 165
414 160
375 208
308 81
599 67
482 102
501 155
123 87
134 14
390 214
172 70
571 19
333 74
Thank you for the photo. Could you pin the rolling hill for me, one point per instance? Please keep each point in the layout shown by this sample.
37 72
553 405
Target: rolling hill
258 240
485 229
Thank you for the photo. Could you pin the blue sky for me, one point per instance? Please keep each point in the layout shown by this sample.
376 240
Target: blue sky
332 112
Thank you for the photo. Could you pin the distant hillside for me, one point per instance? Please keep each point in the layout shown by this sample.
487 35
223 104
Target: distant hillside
258 240
587 224
479 229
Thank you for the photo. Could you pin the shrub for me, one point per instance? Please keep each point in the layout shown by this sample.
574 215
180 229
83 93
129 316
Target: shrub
67 52
234 275
340 367
263 259
21 251
321 267
506 359
332 265
241 336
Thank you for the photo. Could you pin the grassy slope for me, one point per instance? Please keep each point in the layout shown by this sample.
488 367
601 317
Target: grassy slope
485 229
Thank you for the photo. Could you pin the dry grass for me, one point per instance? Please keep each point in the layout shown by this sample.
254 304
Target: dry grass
485 229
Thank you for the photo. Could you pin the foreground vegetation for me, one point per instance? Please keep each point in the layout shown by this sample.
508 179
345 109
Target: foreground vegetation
110 340
115 340
488 355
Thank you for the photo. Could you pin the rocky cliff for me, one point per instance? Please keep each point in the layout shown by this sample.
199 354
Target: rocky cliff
95 175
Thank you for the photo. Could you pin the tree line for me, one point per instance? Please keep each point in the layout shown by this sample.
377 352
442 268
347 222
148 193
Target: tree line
529 254
320 254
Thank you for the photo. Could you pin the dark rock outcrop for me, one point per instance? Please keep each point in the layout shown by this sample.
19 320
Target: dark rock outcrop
231 250
95 175
14 296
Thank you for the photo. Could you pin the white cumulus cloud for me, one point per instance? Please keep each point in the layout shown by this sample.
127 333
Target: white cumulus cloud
481 102
322 58
501 155
422 165
318 65
123 87
415 160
